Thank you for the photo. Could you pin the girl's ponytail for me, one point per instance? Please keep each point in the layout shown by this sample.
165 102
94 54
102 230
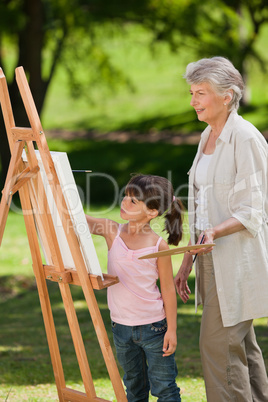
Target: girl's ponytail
157 193
173 222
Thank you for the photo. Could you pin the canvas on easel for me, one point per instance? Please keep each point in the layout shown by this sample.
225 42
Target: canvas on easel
77 215
36 176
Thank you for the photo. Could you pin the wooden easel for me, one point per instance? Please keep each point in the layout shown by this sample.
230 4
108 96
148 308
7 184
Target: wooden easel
25 178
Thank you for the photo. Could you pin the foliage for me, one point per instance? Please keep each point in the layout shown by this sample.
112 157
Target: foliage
222 27
40 35
160 102
44 34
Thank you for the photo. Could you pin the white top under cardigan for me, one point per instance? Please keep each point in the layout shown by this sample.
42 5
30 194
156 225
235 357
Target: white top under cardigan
237 176
201 174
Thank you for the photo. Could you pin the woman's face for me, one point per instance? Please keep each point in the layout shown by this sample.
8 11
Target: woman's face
208 105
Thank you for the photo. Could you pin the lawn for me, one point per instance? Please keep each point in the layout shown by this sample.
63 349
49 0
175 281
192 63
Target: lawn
25 369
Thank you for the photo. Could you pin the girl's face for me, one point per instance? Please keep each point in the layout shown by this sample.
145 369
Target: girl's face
208 105
134 210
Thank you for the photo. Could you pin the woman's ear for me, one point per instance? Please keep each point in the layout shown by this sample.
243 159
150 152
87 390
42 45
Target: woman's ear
228 97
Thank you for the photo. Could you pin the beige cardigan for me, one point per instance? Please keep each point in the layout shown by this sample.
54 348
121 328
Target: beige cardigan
237 187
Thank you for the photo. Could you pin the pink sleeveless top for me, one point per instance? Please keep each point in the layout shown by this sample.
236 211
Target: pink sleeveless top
136 299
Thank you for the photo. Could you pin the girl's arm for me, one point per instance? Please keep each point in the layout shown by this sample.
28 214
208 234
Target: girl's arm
103 227
170 300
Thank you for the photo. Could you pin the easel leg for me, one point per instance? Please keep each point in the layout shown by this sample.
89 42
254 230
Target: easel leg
77 340
39 203
104 341
10 179
43 295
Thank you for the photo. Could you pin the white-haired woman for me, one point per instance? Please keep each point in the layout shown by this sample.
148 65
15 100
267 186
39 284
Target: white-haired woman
228 206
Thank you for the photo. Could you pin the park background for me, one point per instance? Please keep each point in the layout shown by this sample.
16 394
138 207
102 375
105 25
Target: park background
107 81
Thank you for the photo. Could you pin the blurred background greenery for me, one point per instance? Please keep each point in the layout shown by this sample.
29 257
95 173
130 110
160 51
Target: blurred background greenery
98 67
107 80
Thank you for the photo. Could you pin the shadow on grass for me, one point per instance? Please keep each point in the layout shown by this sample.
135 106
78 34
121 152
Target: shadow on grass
24 354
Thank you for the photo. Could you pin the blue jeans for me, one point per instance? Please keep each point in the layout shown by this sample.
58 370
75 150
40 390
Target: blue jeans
139 352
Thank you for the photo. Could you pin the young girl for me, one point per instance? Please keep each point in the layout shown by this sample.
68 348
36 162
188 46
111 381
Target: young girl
143 319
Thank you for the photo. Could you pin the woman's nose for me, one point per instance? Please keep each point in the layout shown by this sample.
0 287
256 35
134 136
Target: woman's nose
193 101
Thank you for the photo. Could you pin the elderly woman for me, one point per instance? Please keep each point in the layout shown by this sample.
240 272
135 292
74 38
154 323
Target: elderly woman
228 206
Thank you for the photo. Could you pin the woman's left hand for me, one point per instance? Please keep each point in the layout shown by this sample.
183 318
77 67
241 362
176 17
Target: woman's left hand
206 237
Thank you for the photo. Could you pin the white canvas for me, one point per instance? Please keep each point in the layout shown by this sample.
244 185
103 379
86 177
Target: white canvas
77 215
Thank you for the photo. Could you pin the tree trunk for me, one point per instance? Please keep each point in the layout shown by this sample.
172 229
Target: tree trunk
30 58
4 153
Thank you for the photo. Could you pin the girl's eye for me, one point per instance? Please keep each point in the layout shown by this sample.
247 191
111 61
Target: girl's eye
133 201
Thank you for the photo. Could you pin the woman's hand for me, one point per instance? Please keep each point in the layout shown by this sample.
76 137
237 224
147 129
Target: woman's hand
206 237
181 281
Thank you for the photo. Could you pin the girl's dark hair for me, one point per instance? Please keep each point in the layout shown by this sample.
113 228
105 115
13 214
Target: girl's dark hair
157 193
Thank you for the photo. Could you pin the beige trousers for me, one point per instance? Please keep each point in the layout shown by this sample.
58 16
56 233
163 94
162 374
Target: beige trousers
232 361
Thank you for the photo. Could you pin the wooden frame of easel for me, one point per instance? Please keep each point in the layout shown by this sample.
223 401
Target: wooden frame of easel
25 178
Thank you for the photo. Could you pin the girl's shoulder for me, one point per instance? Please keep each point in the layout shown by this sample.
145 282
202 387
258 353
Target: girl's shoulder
158 240
112 228
163 245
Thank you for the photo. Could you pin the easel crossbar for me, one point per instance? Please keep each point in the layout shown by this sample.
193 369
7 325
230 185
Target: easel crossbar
23 177
22 133
70 276
76 396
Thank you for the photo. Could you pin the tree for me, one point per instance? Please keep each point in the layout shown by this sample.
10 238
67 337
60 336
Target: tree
228 28
45 33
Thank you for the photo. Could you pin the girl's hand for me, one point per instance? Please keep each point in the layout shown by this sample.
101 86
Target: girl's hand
170 343
181 282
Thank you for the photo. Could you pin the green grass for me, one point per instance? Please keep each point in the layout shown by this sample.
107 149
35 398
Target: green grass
25 369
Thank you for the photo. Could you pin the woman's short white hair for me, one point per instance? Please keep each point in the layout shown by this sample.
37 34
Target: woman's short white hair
221 74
